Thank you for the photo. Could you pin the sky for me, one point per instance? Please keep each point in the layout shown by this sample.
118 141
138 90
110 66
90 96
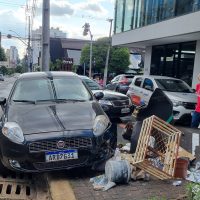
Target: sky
67 15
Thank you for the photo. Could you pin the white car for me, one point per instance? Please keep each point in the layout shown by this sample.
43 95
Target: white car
182 96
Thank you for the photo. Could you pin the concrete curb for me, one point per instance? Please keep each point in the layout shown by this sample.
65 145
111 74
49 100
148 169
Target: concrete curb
60 188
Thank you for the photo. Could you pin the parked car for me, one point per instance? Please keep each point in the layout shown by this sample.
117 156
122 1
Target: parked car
51 121
1 77
120 83
181 95
115 104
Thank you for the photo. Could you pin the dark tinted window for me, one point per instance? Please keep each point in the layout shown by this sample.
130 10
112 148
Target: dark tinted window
172 85
92 84
138 82
130 78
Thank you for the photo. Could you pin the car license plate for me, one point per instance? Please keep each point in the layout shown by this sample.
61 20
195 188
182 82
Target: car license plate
61 155
125 110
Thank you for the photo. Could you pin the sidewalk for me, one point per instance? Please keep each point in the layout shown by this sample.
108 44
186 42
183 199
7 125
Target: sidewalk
135 190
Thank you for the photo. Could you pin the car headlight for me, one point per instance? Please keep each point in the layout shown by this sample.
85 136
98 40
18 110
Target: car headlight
130 102
177 103
13 132
100 125
105 102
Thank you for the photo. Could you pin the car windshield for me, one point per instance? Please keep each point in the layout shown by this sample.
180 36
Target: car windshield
129 78
173 85
46 89
92 84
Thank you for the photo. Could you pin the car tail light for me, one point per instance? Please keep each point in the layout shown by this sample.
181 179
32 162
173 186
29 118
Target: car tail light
124 81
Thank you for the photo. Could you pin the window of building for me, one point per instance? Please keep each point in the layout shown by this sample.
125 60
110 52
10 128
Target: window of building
119 16
138 81
131 14
174 60
128 15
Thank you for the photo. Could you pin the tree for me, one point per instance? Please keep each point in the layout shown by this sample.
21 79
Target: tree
56 66
118 61
20 69
2 55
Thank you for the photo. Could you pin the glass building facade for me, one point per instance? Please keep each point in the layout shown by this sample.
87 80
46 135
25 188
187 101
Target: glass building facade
132 14
174 60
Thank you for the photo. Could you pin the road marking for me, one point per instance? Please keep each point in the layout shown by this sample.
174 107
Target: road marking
195 142
60 189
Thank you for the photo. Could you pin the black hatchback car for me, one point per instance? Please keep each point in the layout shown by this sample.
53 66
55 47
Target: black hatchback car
52 121
115 104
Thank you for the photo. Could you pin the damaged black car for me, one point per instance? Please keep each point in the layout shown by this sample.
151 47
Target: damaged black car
51 121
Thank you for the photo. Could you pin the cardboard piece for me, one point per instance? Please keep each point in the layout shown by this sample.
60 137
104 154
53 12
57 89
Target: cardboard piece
183 153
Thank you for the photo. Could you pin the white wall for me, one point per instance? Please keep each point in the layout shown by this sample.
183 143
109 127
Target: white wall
196 65
147 60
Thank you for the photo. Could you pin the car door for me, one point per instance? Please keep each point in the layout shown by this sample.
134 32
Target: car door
135 89
147 89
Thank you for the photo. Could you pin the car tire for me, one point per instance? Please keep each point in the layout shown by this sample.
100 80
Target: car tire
117 89
3 169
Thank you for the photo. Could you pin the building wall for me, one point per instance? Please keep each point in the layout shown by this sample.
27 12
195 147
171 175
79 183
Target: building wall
37 40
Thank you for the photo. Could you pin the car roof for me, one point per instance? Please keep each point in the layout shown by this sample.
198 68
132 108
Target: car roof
156 77
47 74
83 77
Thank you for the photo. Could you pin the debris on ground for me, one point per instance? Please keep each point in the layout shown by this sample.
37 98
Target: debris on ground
177 183
194 174
183 153
157 148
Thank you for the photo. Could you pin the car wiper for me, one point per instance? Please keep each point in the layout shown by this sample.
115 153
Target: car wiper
74 100
26 101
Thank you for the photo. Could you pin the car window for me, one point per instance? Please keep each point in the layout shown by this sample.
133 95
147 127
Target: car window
148 84
71 88
128 78
173 85
92 84
117 78
33 90
138 81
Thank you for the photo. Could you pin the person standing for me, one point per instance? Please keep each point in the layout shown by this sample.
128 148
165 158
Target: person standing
196 115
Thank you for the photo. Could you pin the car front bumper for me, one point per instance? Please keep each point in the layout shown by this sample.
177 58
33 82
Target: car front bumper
23 158
179 112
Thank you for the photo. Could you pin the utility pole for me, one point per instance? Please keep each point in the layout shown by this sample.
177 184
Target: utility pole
45 35
29 45
108 54
0 39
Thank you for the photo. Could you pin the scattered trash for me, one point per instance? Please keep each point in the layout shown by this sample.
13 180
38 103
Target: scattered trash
118 171
126 148
194 174
117 155
181 168
101 183
157 148
138 174
177 183
183 153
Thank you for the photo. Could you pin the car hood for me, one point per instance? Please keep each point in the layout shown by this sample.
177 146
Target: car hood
110 95
55 117
184 97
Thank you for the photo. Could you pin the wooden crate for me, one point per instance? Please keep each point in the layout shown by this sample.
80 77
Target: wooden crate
158 159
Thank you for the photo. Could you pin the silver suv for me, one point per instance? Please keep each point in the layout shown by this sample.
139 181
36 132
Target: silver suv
182 96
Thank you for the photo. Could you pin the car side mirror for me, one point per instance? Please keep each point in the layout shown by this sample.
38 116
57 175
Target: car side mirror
99 95
148 87
2 101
